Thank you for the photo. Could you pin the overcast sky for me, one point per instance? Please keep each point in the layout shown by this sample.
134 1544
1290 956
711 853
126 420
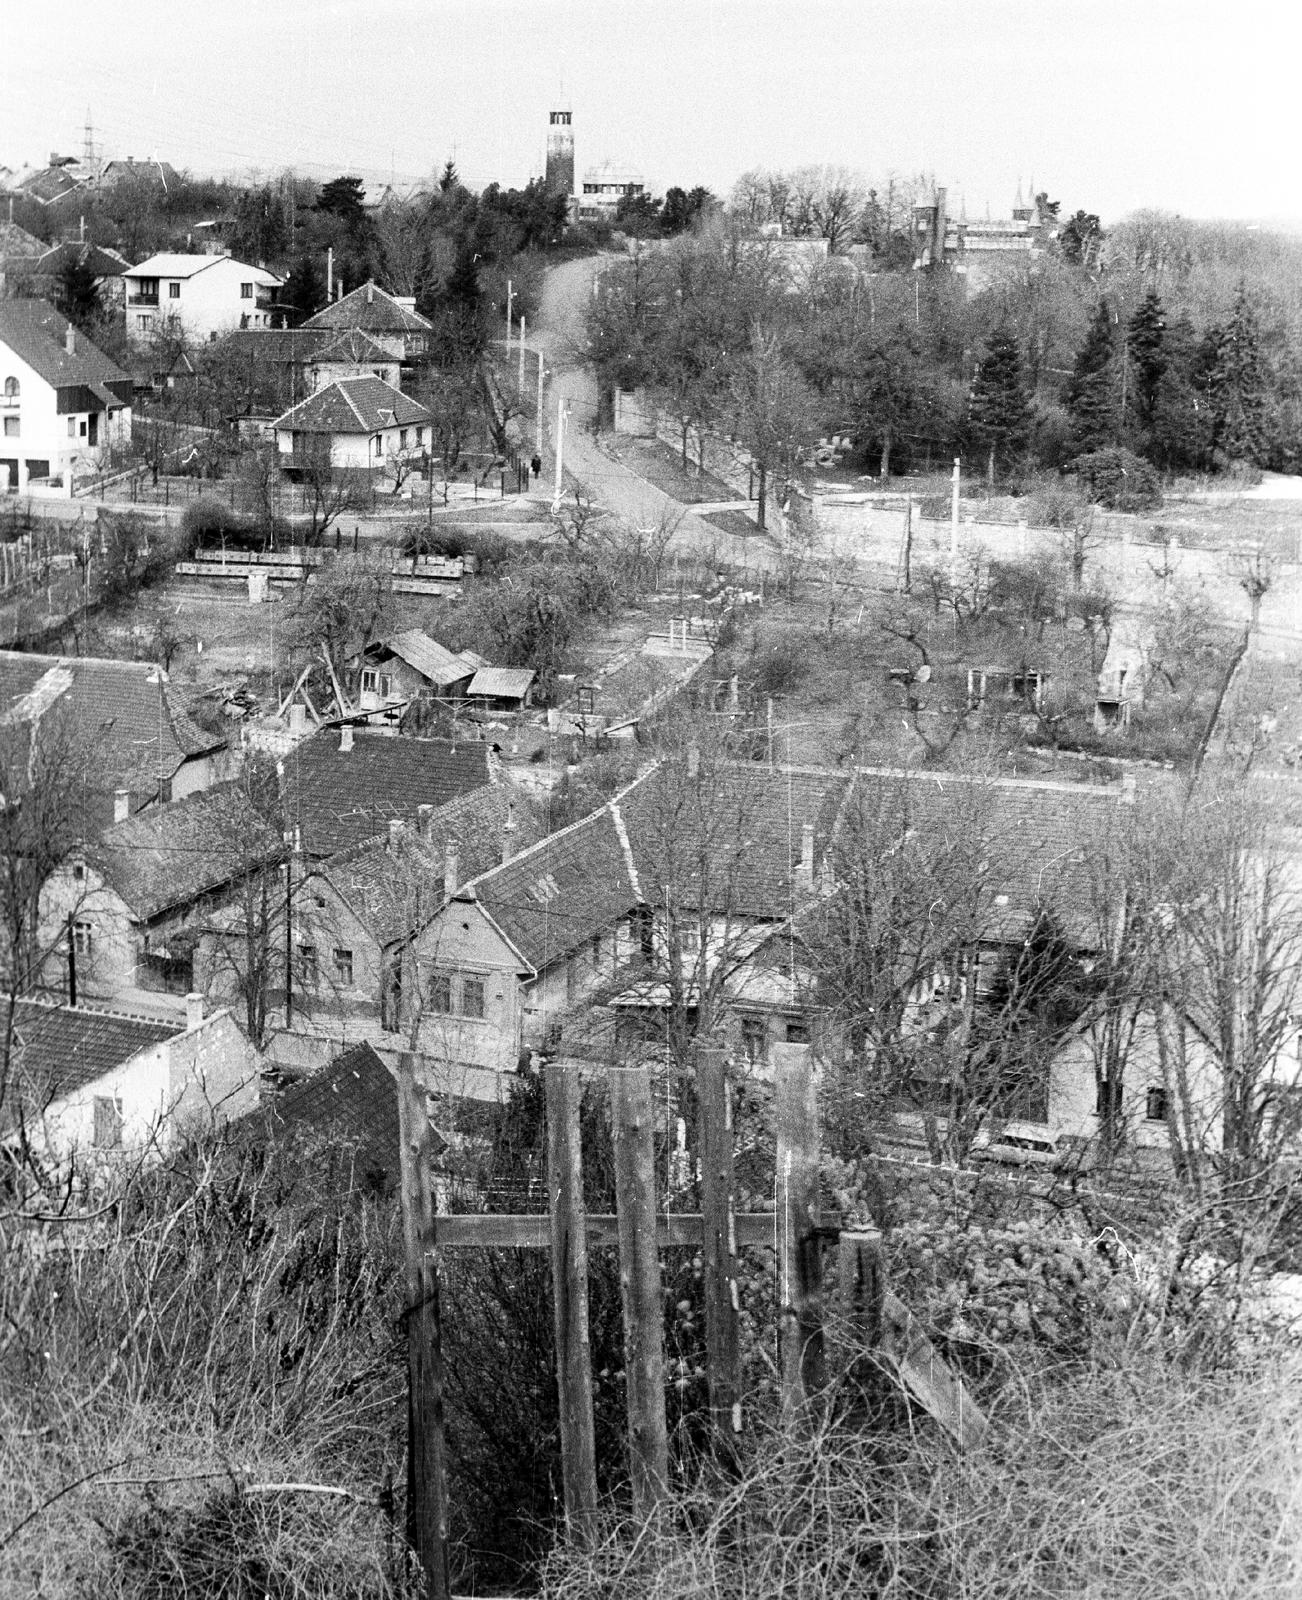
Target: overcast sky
1109 104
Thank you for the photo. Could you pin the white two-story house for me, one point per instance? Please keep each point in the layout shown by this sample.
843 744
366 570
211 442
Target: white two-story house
199 297
62 401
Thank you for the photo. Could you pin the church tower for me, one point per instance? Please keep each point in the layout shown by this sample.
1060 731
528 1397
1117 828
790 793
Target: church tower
560 153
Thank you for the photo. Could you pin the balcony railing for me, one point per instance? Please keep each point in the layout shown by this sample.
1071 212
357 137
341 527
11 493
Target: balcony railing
142 299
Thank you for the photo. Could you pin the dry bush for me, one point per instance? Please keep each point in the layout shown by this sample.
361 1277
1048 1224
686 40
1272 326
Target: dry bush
1145 1480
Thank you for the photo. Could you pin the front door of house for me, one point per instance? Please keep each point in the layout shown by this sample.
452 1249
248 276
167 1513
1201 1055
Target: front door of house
93 437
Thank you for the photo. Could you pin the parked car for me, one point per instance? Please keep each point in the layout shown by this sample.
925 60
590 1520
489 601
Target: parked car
1019 1144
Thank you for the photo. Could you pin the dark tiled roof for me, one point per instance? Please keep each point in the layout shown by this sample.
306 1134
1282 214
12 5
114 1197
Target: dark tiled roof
1035 838
123 719
380 314
50 184
103 263
18 246
340 798
394 892
354 345
550 900
277 346
354 1099
353 405
34 330
170 855
731 836
59 1049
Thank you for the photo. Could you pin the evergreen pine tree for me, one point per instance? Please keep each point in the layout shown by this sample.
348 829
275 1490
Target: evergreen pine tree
77 294
304 290
1238 385
1146 339
1089 395
1181 430
999 415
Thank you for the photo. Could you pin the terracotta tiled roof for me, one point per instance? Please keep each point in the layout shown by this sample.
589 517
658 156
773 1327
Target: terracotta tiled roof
353 405
354 1099
356 345
60 1049
370 308
339 798
396 887
121 714
169 855
36 332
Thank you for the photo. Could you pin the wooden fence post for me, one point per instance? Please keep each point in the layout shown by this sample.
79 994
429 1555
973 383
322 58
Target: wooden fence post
863 1284
427 1487
570 1298
799 1222
719 1243
639 1283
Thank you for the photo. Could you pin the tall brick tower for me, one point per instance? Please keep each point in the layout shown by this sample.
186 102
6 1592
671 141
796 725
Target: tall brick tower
560 153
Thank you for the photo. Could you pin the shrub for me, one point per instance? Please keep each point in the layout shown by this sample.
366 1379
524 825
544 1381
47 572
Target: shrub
209 521
1054 503
1118 480
780 666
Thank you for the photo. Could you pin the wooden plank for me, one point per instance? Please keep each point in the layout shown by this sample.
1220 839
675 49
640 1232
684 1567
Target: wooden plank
570 1299
719 1242
632 1130
800 1243
928 1376
532 1231
427 1487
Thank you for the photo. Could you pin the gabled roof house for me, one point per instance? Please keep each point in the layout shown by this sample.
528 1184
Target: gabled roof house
364 423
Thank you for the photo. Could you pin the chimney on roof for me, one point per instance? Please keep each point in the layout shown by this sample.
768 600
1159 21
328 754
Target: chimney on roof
693 760
395 832
330 273
340 295
70 340
121 805
193 1012
346 736
424 817
508 833
370 291
451 864
804 874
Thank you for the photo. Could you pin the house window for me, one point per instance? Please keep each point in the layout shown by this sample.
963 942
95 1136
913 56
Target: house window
587 696
440 994
12 390
79 871
344 968
174 291
246 291
386 685
144 322
12 430
108 1122
391 996
369 684
797 1031
1107 1094
379 444
402 438
420 437
472 997
307 967
640 928
754 1039
72 427
1156 1104
81 937
83 430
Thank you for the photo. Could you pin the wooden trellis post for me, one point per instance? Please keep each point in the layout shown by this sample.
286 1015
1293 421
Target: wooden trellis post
427 1478
639 1281
799 1230
719 1243
569 1243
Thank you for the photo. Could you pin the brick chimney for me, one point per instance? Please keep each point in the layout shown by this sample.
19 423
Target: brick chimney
193 1012
70 340
346 736
370 292
395 832
424 820
804 873
121 804
451 865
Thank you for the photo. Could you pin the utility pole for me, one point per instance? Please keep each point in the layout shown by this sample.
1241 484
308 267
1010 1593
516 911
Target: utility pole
289 932
953 520
510 297
561 413
520 380
539 443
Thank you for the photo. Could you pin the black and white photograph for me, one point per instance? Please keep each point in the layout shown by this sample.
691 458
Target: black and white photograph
650 800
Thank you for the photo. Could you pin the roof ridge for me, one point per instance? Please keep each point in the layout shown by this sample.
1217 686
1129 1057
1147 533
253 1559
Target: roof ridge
339 384
999 780
626 846
561 833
